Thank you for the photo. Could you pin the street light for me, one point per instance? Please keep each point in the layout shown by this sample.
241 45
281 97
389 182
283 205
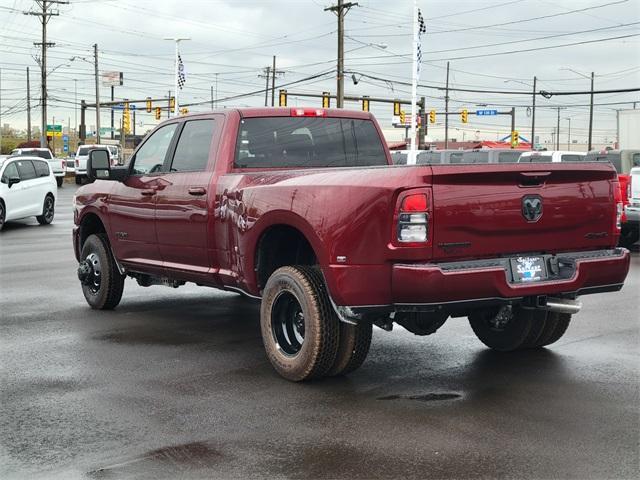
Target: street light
590 102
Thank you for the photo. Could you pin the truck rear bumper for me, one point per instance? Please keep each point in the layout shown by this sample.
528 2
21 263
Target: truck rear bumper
478 281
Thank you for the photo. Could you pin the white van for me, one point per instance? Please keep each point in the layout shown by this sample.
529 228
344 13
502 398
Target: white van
552 156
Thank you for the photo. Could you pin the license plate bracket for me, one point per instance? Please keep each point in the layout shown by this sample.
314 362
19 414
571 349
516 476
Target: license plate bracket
528 269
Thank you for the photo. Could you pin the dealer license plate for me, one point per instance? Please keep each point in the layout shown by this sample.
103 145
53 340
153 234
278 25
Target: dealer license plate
528 269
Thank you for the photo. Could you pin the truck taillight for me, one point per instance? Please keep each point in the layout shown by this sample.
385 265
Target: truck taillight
619 212
413 219
617 198
308 112
77 162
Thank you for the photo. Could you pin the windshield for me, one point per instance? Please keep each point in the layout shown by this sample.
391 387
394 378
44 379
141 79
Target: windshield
308 142
614 158
83 151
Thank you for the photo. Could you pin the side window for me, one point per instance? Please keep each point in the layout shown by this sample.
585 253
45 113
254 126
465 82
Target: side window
150 157
635 160
26 170
42 169
10 172
192 151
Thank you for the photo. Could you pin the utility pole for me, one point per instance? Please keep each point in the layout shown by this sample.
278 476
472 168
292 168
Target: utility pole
591 114
340 10
274 72
446 112
212 97
28 107
95 60
267 72
75 105
169 105
112 99
513 121
216 104
569 135
45 15
533 116
558 131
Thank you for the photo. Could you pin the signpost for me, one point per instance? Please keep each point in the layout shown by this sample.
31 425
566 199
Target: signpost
54 130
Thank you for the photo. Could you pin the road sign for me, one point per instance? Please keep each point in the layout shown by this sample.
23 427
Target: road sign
54 128
121 106
65 147
105 130
65 138
482 113
112 79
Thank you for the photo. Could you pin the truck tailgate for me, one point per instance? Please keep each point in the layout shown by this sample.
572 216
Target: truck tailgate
492 210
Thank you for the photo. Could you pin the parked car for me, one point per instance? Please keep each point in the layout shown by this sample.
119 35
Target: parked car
632 209
301 207
551 156
58 165
623 161
486 155
27 189
82 154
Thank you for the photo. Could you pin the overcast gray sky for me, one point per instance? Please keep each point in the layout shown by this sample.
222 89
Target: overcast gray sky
236 40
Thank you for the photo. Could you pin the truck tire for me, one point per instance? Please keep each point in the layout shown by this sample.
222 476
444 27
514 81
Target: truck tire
48 210
503 329
555 328
2 215
102 283
353 348
59 181
538 325
300 330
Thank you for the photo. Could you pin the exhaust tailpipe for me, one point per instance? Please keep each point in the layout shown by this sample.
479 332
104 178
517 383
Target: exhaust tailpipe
563 305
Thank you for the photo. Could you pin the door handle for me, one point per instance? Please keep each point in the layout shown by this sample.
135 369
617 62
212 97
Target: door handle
148 192
197 191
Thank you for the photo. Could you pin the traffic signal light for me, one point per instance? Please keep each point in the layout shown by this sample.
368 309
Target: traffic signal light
403 116
432 116
158 113
396 108
149 106
464 115
365 104
172 104
326 99
282 98
515 138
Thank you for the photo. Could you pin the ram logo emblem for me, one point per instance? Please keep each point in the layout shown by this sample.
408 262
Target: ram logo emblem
532 208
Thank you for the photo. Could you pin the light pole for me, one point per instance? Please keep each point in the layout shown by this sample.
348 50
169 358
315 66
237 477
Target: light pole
569 134
592 76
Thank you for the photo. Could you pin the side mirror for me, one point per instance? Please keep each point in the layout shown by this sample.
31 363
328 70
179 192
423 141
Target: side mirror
13 181
99 165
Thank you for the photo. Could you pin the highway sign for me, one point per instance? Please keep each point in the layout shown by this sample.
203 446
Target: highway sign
54 128
482 113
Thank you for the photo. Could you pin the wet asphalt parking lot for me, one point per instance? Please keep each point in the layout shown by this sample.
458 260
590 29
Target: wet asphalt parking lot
175 384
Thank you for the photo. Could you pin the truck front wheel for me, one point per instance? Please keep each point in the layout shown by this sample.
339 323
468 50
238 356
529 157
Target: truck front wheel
508 328
300 330
102 283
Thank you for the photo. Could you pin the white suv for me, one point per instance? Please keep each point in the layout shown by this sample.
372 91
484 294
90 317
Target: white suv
58 165
82 155
27 189
632 210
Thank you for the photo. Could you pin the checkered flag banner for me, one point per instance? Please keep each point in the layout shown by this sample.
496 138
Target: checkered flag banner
421 29
182 79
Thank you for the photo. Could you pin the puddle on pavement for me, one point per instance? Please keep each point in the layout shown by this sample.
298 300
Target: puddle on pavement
427 397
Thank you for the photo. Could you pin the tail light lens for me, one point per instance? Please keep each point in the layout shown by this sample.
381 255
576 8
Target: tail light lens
77 162
308 112
617 198
413 219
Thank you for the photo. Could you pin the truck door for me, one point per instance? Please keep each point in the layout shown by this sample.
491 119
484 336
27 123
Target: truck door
132 203
182 211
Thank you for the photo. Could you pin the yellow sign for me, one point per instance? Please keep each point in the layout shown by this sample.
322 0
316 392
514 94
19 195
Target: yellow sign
54 134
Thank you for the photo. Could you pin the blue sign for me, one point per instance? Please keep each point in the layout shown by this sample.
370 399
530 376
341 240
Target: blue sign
482 113
121 107
65 147
65 138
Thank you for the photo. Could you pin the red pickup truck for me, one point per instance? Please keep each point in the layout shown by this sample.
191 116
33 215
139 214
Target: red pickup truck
303 209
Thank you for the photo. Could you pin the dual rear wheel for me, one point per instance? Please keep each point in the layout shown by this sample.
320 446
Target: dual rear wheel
303 337
516 328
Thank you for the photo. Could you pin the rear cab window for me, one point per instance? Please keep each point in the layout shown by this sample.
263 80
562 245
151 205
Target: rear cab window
509 157
572 158
536 158
299 142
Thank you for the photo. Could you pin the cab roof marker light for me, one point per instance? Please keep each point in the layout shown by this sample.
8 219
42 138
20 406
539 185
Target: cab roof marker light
308 112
